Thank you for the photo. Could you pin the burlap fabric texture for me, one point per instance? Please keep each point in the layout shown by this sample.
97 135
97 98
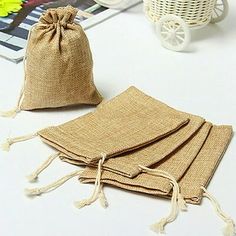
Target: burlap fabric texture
59 65
128 134
133 130
127 122
127 164
193 166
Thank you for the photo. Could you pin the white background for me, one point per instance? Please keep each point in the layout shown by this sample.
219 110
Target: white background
126 52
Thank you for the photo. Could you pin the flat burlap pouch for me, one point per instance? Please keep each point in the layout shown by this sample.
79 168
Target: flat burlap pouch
193 167
59 65
203 153
127 164
127 122
204 166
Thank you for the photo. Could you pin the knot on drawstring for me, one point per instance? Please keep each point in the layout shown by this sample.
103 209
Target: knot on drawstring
177 200
32 177
33 192
229 229
98 189
11 113
52 186
6 146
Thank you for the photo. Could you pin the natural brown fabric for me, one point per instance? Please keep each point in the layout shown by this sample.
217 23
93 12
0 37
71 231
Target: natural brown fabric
59 63
204 166
198 174
127 122
128 164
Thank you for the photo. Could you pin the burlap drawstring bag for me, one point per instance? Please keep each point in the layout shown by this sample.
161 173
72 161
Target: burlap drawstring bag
58 66
193 182
196 173
178 163
133 116
175 164
127 164
204 166
150 115
197 176
125 123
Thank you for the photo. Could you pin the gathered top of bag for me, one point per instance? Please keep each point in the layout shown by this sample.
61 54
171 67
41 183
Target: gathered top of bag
61 15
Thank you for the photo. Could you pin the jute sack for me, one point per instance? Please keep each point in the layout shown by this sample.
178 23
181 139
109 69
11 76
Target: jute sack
204 166
127 122
127 164
193 170
175 164
192 183
58 65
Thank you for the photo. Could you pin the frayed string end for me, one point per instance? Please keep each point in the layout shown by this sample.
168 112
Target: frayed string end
32 192
52 186
177 201
181 203
159 227
6 146
10 114
229 229
32 178
103 199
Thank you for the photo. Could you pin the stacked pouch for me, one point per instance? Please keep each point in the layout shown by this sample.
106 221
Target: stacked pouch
137 143
126 123
192 166
128 163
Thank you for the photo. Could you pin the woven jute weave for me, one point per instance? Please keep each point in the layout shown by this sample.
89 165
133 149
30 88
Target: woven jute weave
58 70
204 166
127 164
193 170
125 123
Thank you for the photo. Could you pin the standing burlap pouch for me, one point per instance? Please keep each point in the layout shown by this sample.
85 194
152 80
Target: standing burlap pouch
59 65
192 166
125 123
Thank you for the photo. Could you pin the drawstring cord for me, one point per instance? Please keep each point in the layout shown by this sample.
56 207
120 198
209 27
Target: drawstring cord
12 113
38 191
7 145
177 201
34 176
229 229
97 193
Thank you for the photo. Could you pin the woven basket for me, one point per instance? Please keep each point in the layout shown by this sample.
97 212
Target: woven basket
194 12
